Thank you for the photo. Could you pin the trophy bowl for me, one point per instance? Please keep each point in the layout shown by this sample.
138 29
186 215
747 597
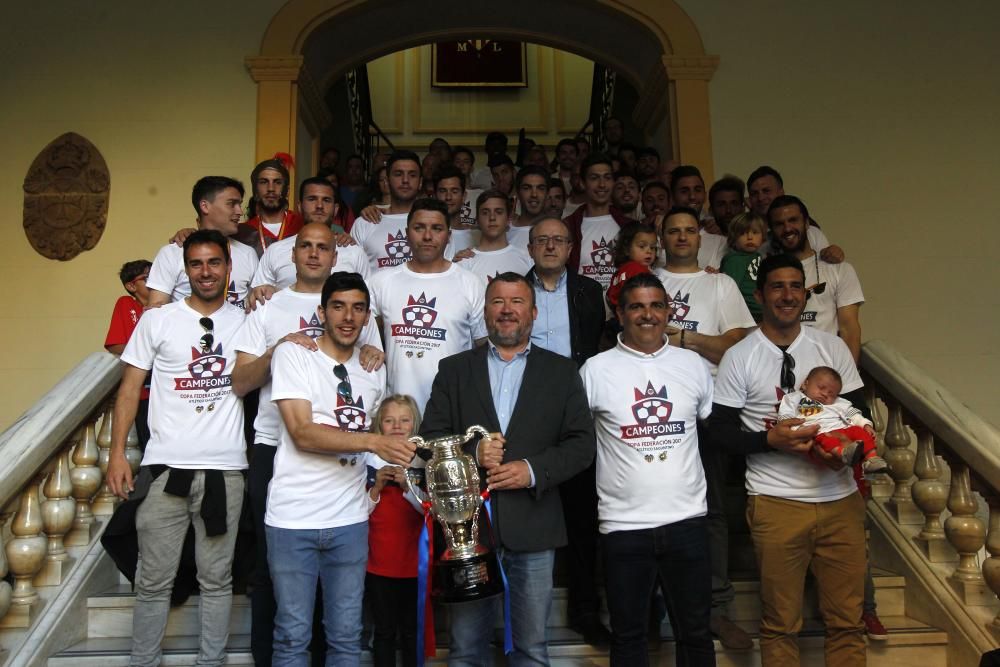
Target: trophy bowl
467 570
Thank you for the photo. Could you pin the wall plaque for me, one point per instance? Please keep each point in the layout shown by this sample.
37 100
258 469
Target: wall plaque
66 196
479 63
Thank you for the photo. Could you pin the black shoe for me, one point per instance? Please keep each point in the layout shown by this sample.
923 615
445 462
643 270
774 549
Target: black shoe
593 631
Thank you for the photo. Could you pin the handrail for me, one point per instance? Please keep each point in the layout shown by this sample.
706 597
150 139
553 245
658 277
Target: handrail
966 434
378 132
43 429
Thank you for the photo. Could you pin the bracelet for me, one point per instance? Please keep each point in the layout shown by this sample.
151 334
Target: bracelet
682 339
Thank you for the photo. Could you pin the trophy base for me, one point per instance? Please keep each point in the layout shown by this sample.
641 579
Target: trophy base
468 579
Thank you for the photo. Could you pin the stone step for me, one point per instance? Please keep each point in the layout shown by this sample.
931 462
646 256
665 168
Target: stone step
909 642
109 614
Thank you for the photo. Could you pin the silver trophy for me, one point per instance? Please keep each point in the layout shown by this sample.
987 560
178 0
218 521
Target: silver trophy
467 570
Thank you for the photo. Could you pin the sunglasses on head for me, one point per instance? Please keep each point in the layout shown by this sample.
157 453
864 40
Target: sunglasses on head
787 372
344 388
208 326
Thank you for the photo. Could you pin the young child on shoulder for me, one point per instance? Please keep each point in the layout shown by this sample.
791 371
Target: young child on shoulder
635 253
393 538
128 309
818 401
747 232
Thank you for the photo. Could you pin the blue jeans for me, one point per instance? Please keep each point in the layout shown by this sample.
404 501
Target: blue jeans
678 553
297 559
529 575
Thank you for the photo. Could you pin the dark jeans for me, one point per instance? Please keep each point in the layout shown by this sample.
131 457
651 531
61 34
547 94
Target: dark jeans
632 560
715 463
579 501
262 603
394 611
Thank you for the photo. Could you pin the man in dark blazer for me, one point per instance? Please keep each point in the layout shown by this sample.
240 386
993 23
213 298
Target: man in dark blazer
542 433
570 322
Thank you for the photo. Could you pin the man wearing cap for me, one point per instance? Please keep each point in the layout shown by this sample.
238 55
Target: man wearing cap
269 217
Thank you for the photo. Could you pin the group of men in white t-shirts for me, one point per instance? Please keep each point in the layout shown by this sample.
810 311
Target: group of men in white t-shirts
315 409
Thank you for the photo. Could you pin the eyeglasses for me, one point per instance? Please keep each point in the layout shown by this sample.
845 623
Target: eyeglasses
542 241
815 289
787 372
344 388
208 339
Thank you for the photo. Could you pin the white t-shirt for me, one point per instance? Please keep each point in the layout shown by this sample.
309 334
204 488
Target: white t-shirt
518 237
285 312
842 289
817 240
597 249
488 264
646 408
426 317
276 267
749 379
384 243
709 303
460 240
838 415
467 214
711 249
195 419
167 274
311 491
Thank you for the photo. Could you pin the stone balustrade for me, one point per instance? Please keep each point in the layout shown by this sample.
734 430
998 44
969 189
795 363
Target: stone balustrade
949 437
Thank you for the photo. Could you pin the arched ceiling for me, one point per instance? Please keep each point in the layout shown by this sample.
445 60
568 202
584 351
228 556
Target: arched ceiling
374 29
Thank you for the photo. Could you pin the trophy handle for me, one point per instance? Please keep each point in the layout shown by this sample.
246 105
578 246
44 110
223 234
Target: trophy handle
410 476
474 431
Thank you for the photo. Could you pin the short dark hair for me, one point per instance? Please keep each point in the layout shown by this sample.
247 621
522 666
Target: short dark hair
531 170
498 160
344 281
656 184
512 277
761 172
832 372
638 281
567 142
208 187
681 210
727 183
611 118
557 183
399 156
787 200
207 237
492 193
592 160
448 170
625 146
496 136
580 139
775 262
132 270
427 204
684 171
463 149
316 180
647 150
626 235
354 156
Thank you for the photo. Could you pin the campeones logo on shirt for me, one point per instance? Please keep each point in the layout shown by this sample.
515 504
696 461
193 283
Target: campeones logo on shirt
651 410
350 414
603 256
206 370
311 327
418 319
397 250
680 306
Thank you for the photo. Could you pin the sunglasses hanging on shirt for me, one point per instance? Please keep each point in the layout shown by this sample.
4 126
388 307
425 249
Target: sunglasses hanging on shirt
787 372
819 287
208 326
344 388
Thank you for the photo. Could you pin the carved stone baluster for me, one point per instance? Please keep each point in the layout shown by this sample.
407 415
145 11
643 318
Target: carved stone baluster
86 479
881 485
931 495
966 532
25 554
991 566
57 517
132 452
5 589
104 502
900 458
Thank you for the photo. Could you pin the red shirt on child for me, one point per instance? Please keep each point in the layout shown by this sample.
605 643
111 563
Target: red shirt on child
625 271
393 535
124 319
